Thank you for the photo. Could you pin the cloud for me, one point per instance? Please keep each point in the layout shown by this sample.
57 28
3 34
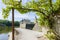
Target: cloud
18 16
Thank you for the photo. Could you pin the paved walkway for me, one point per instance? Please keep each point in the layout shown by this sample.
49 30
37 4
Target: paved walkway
26 34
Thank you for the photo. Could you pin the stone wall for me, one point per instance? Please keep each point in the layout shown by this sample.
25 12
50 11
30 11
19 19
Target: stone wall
56 27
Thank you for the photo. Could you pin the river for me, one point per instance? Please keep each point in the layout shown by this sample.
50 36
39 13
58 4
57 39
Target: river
3 36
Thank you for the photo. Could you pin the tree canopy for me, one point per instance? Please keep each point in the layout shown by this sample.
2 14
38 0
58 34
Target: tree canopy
45 9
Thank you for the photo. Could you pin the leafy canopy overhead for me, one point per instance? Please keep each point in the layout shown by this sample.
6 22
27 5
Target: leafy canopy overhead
45 9
12 4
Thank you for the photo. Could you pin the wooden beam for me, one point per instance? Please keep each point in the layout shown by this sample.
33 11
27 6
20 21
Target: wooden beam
12 23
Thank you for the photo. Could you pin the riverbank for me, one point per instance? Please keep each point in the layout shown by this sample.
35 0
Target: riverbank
6 29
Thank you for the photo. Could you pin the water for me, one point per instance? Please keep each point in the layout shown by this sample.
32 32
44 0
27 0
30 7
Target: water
3 36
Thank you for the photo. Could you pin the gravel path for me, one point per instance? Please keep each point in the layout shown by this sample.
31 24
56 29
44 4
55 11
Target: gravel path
25 34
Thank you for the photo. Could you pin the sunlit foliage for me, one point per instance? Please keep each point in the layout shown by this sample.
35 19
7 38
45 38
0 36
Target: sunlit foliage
45 9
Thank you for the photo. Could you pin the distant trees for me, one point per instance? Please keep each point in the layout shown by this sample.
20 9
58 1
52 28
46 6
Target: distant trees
16 23
6 26
8 23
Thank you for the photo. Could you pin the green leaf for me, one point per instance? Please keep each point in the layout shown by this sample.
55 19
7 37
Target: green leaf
5 12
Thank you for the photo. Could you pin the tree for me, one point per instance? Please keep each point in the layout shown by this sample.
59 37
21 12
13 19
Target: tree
45 9
48 9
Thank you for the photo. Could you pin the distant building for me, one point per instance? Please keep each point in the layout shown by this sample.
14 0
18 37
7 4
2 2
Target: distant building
37 27
26 24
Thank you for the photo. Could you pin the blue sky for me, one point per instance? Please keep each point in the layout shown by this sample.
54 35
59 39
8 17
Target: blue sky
18 16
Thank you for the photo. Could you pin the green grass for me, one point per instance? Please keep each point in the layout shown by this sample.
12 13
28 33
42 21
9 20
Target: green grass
5 29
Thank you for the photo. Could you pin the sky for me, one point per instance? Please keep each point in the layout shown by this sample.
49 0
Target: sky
17 15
